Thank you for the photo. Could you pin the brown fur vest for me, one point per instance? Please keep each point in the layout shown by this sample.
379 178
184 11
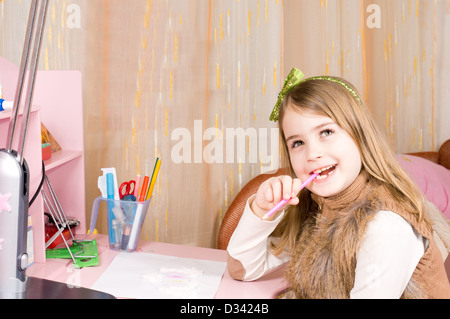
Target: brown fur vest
324 260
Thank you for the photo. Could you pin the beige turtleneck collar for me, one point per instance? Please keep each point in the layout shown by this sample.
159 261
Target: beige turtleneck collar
355 192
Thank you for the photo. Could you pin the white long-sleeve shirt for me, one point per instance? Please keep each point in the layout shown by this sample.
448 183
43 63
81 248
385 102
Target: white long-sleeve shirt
389 254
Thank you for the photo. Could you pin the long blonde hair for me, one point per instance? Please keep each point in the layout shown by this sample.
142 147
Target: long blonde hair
332 99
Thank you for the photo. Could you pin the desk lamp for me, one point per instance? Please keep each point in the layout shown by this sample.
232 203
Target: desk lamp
14 172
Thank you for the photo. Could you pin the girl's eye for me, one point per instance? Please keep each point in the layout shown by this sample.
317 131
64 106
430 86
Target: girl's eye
326 132
297 144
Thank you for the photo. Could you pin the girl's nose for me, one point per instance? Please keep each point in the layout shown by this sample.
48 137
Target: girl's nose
314 151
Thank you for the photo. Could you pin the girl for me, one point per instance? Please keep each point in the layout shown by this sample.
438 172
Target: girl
359 229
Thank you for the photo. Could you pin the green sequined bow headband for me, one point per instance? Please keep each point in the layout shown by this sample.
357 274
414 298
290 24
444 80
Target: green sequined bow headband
296 77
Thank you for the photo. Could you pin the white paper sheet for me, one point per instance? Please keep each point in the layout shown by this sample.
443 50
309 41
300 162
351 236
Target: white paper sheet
153 276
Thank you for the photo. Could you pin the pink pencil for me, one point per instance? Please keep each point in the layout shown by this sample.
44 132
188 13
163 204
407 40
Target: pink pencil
136 187
284 201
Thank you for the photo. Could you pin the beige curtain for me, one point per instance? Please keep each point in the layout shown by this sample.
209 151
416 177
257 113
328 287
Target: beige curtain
395 52
190 81
194 81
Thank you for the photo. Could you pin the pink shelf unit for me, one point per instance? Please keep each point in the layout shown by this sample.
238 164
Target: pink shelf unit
58 105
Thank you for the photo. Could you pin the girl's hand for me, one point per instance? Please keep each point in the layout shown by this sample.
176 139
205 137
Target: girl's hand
272 191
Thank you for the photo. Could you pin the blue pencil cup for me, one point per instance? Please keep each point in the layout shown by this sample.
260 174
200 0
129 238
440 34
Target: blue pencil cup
125 221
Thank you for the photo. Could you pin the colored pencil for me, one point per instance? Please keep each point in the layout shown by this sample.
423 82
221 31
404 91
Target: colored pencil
154 177
136 186
144 188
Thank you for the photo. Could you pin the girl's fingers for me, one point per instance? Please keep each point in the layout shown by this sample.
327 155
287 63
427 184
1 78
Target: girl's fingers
288 189
273 190
277 190
296 186
268 194
284 187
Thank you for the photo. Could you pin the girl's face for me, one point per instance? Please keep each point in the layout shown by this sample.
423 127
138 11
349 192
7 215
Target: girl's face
317 144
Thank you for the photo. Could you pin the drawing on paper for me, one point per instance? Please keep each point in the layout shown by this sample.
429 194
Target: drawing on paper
177 282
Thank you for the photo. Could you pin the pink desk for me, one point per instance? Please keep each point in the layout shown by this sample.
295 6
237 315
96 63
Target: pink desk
60 270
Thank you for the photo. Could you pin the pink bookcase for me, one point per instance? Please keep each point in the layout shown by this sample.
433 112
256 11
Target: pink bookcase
57 103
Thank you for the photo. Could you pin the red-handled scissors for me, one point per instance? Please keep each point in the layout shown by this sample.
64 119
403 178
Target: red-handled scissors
127 188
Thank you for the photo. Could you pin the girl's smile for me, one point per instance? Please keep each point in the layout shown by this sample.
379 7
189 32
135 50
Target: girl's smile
325 173
317 144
